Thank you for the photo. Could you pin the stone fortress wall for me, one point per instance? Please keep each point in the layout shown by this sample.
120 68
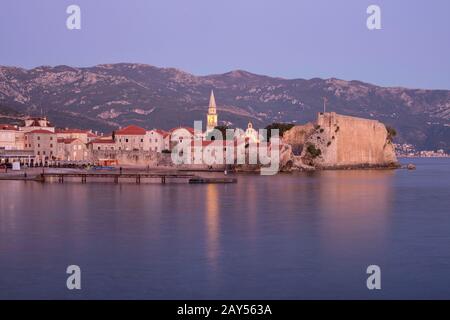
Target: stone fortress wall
346 141
131 158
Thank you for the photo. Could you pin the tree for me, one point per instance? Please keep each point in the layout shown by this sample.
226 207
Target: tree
222 129
391 133
282 127
313 151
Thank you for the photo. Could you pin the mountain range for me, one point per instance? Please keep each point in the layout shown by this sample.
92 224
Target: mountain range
108 96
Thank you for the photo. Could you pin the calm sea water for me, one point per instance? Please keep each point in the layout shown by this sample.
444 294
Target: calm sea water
284 237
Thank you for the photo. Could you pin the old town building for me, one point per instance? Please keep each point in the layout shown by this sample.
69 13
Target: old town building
72 149
43 143
130 138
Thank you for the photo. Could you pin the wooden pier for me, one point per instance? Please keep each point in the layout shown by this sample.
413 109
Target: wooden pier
136 177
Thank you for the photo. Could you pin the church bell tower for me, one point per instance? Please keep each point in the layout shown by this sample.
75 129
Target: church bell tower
212 113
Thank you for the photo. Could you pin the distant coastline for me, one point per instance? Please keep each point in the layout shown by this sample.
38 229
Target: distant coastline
403 156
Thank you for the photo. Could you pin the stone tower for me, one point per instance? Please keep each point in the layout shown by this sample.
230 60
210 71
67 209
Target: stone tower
212 113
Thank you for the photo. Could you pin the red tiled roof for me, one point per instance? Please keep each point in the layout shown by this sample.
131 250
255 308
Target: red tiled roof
131 130
191 130
102 141
8 127
161 132
92 135
66 141
71 131
41 131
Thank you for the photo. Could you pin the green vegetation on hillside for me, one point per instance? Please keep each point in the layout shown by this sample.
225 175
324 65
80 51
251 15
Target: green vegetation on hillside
282 128
391 133
313 151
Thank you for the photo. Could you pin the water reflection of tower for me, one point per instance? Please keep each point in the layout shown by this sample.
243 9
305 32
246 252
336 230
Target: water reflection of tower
212 224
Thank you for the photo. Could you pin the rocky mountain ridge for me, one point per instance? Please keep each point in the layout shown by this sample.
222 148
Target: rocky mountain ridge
108 96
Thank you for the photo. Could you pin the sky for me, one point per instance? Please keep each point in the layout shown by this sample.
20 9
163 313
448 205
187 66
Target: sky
283 38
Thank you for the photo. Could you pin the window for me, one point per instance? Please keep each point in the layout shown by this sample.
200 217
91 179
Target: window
51 145
98 148
142 140
126 140
39 138
38 153
39 145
